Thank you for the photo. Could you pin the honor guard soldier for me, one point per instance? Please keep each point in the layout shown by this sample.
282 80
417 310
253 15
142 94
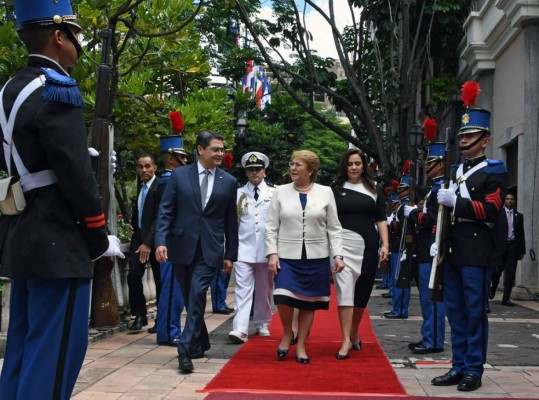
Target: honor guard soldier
475 200
170 304
252 273
56 227
394 241
433 327
400 230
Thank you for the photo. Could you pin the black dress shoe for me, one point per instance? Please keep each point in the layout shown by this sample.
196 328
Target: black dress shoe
508 303
223 311
381 287
186 365
469 383
387 295
415 344
491 293
451 378
173 343
422 349
136 326
153 329
230 309
392 315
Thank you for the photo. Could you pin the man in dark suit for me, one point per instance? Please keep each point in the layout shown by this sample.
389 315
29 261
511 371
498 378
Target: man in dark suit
197 229
511 246
143 221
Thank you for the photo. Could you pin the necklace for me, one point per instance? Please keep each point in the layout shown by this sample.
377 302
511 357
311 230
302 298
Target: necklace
303 190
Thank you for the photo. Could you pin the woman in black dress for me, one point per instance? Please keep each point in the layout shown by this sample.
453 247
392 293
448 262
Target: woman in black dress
361 210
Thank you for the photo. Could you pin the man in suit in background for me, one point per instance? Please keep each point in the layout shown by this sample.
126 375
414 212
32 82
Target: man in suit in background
511 245
197 230
143 224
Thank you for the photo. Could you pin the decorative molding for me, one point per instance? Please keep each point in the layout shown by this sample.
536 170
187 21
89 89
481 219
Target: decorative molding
489 32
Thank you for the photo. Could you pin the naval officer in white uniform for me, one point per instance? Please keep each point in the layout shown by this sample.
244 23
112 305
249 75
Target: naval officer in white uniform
251 269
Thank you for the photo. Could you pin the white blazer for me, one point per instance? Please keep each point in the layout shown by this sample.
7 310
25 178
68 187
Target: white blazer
288 226
252 222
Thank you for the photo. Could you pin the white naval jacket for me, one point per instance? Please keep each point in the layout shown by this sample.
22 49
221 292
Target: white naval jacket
252 222
287 229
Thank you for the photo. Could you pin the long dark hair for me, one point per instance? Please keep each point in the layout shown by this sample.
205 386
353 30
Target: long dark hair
341 176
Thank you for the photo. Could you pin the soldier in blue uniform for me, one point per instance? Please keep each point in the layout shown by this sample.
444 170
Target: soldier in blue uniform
170 304
475 200
47 249
400 233
394 243
433 327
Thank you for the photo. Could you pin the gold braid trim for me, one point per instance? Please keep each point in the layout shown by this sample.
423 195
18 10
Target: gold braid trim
239 207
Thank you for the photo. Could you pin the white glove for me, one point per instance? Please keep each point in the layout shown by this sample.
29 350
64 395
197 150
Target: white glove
448 197
408 210
113 162
93 152
403 255
114 248
433 250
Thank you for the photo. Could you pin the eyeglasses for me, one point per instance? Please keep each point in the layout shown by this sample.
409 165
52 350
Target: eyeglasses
292 164
217 149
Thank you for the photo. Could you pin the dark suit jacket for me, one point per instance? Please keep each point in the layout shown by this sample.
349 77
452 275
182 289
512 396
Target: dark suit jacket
61 229
182 222
500 233
146 234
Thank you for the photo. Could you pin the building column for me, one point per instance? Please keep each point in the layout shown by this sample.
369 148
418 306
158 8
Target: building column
528 196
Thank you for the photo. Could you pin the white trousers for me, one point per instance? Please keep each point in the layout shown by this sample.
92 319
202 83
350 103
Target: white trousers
252 277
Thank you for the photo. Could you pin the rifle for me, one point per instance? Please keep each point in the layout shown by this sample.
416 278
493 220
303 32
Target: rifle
404 269
442 239
104 307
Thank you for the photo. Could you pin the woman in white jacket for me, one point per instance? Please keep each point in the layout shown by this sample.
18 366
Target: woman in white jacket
302 232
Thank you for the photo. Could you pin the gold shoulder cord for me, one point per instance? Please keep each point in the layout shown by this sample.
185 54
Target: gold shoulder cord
239 207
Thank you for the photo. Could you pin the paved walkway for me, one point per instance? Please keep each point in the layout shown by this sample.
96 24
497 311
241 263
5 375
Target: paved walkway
132 366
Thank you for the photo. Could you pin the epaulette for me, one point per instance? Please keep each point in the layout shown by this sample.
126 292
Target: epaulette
495 167
270 184
61 88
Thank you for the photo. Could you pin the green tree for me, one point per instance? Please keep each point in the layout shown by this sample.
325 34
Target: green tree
385 53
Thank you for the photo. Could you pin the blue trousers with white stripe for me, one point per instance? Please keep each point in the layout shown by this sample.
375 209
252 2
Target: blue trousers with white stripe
433 327
169 306
401 296
47 338
466 299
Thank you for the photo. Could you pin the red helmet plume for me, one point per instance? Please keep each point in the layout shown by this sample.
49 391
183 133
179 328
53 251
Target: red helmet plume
429 128
176 121
406 167
228 158
470 91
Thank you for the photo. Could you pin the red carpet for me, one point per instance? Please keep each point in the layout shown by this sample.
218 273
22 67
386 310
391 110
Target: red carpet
255 369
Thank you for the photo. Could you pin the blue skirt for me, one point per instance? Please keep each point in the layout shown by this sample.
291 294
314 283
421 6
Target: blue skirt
303 284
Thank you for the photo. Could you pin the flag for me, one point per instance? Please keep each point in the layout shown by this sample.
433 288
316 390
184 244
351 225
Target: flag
266 93
248 79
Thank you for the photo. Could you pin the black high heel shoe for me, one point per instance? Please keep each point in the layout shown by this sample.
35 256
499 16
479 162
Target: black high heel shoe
294 340
281 354
302 360
357 346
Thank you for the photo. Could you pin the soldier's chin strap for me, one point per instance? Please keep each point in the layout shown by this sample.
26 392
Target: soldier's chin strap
469 146
434 164
178 159
65 28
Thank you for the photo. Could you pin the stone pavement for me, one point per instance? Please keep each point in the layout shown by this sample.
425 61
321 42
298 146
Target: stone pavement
131 366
